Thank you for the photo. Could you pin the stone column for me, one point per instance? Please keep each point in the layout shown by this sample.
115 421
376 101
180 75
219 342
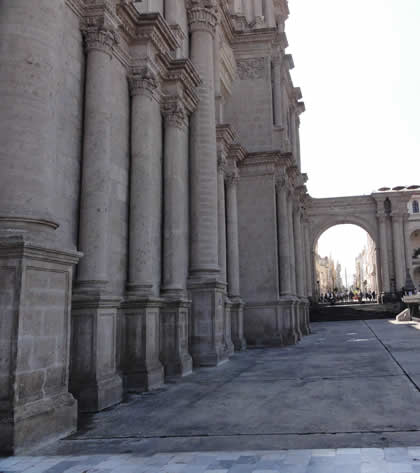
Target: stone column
93 375
175 314
300 281
203 149
284 242
398 244
207 292
407 245
308 253
386 287
277 92
284 252
145 185
233 262
294 310
141 365
222 218
35 272
292 246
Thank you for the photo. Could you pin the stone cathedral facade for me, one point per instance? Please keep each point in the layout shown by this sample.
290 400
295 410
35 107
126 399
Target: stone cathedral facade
151 199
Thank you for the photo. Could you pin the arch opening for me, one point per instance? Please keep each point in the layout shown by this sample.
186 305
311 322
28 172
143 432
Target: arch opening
346 263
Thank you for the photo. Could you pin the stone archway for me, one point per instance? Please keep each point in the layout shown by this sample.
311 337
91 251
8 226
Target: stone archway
324 214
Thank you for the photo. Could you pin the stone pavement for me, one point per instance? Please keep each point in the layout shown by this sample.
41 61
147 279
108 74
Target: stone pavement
365 460
350 385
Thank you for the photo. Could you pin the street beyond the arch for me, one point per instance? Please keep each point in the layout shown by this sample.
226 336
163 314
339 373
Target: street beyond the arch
349 384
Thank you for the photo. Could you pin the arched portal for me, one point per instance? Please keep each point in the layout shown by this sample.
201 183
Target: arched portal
361 211
358 249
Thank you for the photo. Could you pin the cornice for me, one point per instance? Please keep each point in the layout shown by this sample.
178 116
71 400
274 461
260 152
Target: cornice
237 153
147 28
179 76
77 6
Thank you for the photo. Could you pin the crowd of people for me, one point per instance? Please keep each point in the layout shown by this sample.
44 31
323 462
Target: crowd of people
355 295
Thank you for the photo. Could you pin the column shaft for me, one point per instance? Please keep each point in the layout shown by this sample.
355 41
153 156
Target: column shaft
29 75
399 256
175 234
384 255
204 210
222 222
283 242
292 247
297 227
145 187
233 238
277 92
96 173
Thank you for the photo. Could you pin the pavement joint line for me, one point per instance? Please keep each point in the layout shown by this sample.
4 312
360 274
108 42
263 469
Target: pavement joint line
393 357
239 434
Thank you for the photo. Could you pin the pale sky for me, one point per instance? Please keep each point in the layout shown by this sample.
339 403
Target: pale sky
332 243
358 64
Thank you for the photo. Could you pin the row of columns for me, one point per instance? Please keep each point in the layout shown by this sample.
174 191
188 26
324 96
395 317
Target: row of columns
293 267
191 213
395 256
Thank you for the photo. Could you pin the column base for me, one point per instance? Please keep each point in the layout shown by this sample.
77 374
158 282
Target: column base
142 369
303 305
36 424
174 354
386 297
237 318
229 347
207 328
94 380
289 311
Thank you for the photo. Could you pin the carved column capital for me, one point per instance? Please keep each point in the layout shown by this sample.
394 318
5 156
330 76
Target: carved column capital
202 15
175 113
144 82
98 38
232 178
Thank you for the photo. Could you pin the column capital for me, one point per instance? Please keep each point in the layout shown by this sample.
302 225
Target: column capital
282 182
232 178
98 38
202 16
144 82
276 60
175 113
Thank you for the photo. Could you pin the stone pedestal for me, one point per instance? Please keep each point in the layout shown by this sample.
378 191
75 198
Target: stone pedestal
142 369
237 324
229 347
207 331
174 355
35 296
94 380
287 310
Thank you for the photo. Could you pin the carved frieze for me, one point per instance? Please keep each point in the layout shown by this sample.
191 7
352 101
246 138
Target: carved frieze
252 68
